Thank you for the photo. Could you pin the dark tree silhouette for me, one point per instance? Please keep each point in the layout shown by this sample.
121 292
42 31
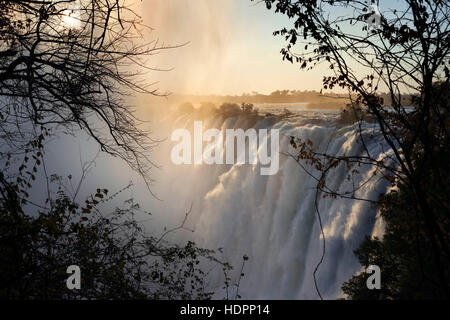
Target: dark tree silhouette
69 66
403 50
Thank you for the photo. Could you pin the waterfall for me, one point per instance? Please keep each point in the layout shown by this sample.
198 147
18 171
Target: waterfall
272 219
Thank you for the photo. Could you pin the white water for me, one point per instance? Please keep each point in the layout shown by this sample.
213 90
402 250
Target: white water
272 219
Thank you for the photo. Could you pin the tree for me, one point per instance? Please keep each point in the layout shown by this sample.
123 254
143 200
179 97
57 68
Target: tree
404 254
404 51
117 257
69 66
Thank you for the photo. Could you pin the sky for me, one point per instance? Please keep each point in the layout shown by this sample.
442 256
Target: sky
231 48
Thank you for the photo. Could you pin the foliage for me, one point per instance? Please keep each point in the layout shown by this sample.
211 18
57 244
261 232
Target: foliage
229 109
247 107
226 109
118 259
404 254
59 76
407 53
75 76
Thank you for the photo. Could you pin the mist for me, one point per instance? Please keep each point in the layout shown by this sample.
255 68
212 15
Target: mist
227 48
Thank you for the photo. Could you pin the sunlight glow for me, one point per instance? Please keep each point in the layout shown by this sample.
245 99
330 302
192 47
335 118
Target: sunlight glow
71 18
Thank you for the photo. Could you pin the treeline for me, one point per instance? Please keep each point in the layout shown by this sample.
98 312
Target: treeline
314 99
228 109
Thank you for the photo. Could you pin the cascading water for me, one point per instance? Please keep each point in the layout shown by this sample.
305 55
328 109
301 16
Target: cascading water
272 219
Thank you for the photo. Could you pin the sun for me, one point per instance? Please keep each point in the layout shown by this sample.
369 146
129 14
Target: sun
71 18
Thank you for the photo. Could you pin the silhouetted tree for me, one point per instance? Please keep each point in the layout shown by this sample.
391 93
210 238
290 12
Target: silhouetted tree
404 49
404 254
69 66
118 258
